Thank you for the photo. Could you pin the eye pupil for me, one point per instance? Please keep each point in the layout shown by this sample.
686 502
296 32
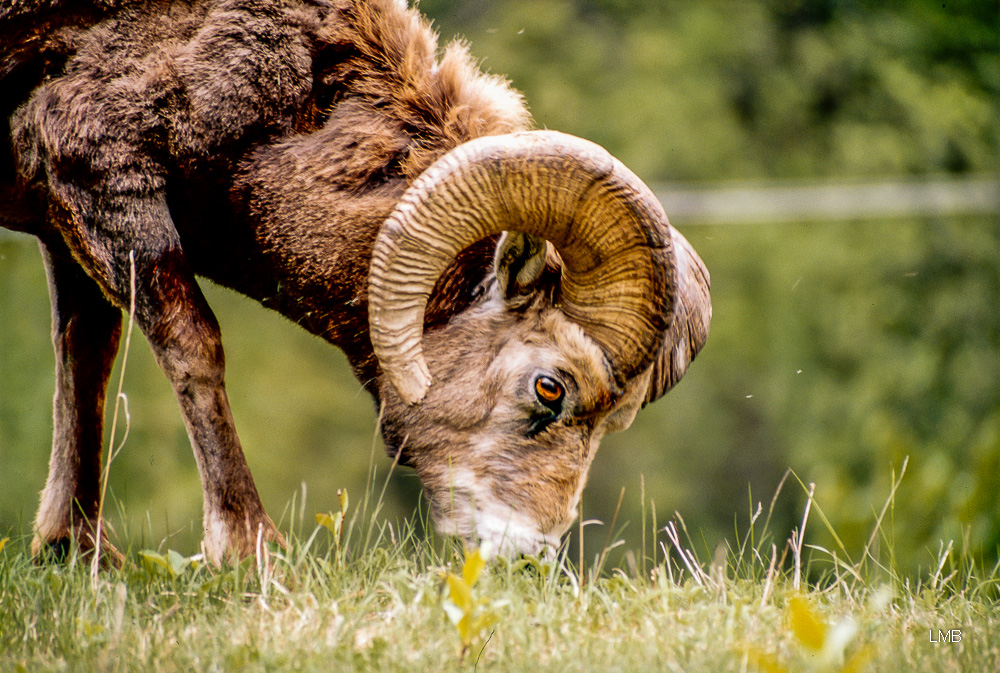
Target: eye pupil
548 390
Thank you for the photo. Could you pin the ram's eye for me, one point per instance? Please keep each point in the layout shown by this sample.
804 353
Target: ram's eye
549 391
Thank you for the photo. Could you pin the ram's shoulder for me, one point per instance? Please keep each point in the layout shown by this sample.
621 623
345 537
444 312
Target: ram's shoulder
389 54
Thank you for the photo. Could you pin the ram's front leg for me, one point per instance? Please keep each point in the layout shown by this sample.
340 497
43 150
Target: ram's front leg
186 341
187 344
132 243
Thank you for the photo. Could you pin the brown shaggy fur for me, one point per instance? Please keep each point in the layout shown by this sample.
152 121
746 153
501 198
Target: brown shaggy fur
196 136
262 144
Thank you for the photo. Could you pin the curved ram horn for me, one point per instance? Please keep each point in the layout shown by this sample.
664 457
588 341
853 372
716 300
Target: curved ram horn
618 274
689 327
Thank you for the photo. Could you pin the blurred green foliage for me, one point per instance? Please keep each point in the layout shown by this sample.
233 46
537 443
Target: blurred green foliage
837 349
718 89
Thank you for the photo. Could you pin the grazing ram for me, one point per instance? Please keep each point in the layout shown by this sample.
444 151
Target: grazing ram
507 296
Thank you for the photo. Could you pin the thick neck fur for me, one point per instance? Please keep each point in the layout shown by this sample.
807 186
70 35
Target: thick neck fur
316 200
280 166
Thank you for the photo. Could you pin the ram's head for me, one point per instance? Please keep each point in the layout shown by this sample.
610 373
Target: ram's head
596 306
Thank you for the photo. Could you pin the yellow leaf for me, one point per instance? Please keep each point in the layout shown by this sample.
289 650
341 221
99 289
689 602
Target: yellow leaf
3 543
470 627
342 496
473 567
460 593
806 626
764 662
857 661
483 622
465 629
333 522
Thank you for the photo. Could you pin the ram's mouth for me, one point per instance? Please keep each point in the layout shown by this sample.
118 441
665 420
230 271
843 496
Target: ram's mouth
510 539
472 513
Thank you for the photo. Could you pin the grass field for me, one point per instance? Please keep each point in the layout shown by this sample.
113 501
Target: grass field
352 593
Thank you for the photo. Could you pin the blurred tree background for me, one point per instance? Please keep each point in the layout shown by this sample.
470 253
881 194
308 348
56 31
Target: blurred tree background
837 348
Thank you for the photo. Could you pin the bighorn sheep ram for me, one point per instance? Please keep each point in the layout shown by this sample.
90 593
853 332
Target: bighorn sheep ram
506 295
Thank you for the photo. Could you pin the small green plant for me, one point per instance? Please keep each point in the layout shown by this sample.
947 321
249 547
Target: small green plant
469 615
334 521
170 565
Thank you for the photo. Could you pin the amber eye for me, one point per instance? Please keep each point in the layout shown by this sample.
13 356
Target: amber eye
549 391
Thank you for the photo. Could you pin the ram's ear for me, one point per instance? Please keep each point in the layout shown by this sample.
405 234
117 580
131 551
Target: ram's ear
519 262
